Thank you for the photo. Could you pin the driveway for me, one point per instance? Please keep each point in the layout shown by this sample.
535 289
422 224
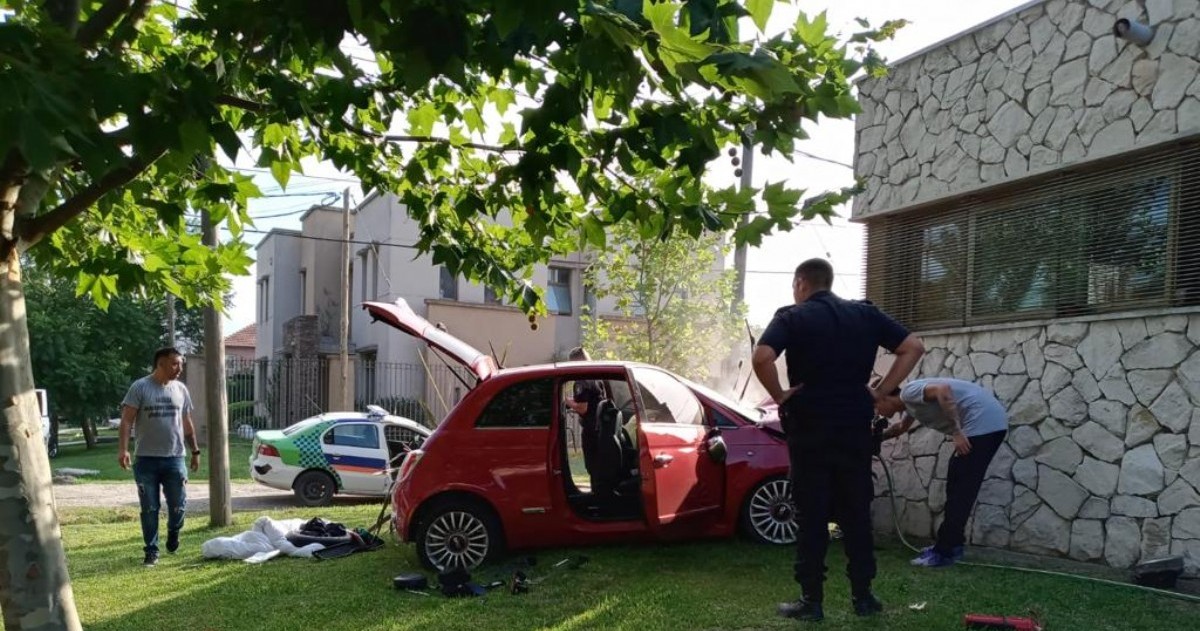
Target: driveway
246 496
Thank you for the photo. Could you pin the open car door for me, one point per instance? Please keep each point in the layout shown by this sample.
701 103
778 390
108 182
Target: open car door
401 316
681 483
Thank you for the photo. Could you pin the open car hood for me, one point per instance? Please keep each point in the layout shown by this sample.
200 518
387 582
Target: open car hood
401 316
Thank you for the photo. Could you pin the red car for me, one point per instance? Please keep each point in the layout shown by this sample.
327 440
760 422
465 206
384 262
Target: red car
674 460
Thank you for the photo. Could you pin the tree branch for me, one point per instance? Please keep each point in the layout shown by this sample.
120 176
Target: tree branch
34 229
127 29
240 103
64 13
100 22
427 139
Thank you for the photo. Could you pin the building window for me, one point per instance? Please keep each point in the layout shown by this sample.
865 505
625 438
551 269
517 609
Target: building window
264 299
558 291
303 292
447 285
490 296
1078 242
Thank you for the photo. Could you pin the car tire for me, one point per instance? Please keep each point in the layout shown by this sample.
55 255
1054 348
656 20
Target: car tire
769 514
457 533
314 488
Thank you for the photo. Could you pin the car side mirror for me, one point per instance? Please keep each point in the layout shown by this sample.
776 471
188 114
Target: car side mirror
715 446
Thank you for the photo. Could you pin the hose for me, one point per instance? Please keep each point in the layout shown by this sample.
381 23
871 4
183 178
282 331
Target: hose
995 566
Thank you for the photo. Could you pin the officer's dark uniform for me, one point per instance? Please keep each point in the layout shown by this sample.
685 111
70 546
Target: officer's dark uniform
831 346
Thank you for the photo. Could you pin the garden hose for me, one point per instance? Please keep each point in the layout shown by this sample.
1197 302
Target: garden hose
995 566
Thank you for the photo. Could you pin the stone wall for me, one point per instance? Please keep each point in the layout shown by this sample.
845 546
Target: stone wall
1033 91
1102 459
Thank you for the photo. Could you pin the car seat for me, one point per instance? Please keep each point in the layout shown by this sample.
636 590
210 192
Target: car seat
609 458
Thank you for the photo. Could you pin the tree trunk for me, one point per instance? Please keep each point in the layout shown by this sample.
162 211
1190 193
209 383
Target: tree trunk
35 589
89 432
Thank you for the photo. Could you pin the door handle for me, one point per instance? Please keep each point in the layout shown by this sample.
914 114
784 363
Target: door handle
662 460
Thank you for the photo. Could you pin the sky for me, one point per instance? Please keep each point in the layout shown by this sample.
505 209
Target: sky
769 266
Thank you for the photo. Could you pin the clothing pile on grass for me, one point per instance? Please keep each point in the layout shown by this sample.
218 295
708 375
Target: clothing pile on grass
269 538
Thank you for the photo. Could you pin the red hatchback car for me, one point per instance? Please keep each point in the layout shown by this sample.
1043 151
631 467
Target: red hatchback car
673 460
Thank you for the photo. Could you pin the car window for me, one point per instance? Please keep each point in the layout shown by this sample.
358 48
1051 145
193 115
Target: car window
353 435
665 399
746 411
526 404
299 427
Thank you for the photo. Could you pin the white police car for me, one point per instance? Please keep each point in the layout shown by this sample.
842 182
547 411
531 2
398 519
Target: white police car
339 452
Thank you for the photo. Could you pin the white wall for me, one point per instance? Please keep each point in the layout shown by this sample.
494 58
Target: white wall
278 259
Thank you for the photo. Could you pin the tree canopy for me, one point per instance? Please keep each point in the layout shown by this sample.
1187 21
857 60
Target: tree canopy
463 108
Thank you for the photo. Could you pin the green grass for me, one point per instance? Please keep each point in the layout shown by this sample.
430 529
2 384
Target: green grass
705 585
103 458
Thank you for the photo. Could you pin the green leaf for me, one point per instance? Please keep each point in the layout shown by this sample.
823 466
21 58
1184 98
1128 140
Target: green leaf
281 170
193 136
508 16
760 12
228 139
422 119
502 98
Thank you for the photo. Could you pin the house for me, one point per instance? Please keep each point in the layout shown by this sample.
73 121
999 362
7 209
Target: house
1032 206
299 314
241 344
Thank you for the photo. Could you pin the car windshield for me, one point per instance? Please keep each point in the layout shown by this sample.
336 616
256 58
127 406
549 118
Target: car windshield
750 413
301 426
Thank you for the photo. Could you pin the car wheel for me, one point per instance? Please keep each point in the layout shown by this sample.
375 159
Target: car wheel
457 534
314 488
769 514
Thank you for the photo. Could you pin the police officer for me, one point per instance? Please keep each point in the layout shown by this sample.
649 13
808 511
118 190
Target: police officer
831 346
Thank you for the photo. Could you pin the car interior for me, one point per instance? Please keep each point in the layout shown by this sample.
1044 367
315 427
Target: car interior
611 490
400 441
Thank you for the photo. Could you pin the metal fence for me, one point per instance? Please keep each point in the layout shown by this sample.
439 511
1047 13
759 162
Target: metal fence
275 393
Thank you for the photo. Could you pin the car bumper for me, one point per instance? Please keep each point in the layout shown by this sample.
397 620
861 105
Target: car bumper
270 471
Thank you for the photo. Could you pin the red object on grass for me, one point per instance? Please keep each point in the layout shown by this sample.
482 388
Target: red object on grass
982 621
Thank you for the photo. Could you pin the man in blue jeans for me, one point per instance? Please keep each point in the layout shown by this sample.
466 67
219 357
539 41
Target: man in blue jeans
977 423
160 407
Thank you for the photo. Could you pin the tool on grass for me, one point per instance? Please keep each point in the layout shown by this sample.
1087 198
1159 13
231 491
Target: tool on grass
982 621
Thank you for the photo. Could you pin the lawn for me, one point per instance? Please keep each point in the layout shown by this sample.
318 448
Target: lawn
103 458
707 585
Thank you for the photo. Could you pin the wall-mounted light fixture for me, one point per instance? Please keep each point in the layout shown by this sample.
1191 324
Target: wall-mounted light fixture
1133 31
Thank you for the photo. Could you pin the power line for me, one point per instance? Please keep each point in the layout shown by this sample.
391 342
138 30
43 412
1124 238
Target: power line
301 175
314 238
792 272
824 159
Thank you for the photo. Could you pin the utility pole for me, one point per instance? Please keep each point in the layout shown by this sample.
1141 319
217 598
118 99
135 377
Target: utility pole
345 324
739 253
220 510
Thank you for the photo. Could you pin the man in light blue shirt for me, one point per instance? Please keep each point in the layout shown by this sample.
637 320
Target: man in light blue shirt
977 423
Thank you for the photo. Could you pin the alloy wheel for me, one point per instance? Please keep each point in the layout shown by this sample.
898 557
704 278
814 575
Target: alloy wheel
457 539
772 512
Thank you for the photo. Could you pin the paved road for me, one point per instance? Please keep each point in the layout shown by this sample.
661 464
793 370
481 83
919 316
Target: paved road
246 496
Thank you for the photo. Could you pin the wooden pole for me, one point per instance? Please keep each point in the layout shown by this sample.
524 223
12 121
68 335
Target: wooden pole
220 508
345 319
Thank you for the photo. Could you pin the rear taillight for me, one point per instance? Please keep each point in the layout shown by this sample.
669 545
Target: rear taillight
268 450
409 465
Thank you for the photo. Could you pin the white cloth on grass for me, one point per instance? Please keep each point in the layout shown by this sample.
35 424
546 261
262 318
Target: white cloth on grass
255 545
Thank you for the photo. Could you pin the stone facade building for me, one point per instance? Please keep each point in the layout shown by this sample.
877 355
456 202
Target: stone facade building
1032 203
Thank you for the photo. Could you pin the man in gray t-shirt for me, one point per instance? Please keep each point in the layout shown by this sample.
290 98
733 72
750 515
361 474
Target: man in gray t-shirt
160 407
977 423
